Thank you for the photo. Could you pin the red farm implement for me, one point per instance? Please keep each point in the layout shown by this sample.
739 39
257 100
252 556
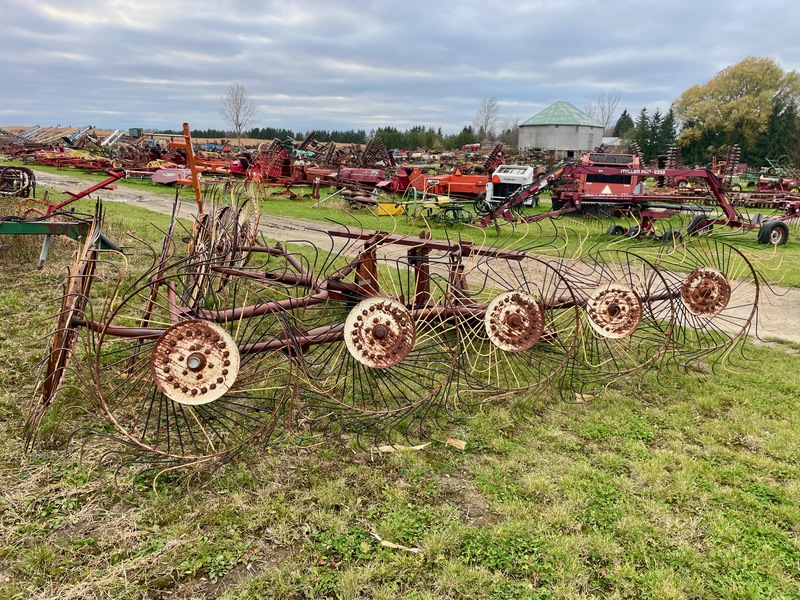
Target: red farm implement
616 185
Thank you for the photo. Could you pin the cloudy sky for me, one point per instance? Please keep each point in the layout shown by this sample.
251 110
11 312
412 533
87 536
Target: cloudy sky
359 64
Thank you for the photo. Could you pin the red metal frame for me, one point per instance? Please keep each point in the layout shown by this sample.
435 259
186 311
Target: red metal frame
50 208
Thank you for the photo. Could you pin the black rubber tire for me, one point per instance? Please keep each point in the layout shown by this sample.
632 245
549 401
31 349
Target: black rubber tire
671 236
481 206
632 232
682 183
616 230
736 187
773 232
697 225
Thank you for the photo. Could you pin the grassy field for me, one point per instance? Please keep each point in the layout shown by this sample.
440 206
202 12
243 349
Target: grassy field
683 484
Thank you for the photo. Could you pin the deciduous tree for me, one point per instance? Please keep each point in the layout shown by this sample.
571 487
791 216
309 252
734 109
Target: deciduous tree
736 105
485 119
604 107
509 130
237 109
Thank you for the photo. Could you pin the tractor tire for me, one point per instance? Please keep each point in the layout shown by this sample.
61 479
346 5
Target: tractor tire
773 232
736 187
671 236
481 206
632 232
794 190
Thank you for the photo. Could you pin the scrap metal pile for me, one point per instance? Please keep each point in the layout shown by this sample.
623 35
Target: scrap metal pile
230 342
356 167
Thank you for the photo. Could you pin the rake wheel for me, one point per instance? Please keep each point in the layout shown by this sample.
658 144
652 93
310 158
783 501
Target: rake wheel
627 320
522 330
716 291
198 380
227 231
381 351
65 334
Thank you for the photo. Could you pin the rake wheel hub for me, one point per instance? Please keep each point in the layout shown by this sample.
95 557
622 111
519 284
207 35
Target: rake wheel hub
379 332
514 321
614 310
194 362
705 292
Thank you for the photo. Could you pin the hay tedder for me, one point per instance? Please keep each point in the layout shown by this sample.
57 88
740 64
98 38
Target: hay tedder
227 341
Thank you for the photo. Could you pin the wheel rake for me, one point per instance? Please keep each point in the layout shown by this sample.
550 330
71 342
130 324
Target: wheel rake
379 336
626 320
518 324
715 292
184 382
74 296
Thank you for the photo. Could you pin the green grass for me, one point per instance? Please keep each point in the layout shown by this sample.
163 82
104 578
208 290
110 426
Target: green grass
684 490
646 493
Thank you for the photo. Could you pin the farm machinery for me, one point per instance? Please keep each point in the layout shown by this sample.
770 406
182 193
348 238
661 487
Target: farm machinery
41 216
615 185
228 342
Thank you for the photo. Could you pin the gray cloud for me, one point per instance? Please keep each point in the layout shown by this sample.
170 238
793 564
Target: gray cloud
364 64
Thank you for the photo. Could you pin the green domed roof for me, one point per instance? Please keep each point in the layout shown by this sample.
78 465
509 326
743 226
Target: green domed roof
562 113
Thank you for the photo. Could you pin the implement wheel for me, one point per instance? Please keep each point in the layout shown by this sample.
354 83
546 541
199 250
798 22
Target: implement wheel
699 224
179 379
481 206
773 232
616 230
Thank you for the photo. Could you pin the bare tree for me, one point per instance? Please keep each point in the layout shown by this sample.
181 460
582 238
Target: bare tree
604 106
509 130
485 119
237 109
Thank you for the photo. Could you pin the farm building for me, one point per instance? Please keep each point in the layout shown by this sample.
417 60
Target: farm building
563 128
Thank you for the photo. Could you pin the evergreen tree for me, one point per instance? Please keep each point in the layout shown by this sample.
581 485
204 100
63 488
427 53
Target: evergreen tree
624 125
667 133
780 135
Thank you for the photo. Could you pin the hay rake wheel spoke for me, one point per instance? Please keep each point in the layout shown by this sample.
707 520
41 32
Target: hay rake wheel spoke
523 329
627 320
188 385
391 356
229 229
716 291
65 334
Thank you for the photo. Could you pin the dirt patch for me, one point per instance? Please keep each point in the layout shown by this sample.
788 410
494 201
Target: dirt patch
473 508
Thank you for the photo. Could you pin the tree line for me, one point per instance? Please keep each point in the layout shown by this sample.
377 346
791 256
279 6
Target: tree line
351 136
412 138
